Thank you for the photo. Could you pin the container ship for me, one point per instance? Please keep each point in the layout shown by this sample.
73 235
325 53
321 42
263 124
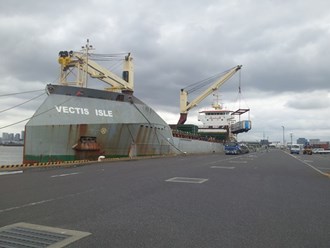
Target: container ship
76 122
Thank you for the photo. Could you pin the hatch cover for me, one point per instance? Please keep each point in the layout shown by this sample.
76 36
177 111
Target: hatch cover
29 235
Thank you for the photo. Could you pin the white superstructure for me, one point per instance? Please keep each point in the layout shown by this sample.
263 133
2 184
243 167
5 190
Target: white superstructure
215 119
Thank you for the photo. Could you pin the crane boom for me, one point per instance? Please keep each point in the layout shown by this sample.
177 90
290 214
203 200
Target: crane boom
97 71
185 106
85 65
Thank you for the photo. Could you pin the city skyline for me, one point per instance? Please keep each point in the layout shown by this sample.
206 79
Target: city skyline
5 136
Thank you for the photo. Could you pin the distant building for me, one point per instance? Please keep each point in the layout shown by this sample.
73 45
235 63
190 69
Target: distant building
5 136
264 142
316 143
11 137
302 141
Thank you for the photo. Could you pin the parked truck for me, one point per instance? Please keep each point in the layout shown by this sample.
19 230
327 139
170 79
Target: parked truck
235 148
295 148
307 150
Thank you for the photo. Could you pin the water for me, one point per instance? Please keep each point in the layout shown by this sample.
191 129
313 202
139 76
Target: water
11 155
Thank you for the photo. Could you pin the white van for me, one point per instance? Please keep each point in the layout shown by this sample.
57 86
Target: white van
295 149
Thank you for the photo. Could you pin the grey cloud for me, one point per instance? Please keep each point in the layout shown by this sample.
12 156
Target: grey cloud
309 102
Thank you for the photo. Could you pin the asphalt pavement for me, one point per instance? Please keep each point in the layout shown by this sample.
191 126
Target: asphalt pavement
263 199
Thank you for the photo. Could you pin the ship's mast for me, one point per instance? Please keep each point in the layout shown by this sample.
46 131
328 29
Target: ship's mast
216 104
85 50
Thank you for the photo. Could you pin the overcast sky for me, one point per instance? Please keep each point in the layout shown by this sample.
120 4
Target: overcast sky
282 45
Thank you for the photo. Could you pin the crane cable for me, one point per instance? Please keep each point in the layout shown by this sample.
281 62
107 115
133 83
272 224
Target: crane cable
200 84
19 93
24 92
4 110
35 115
239 95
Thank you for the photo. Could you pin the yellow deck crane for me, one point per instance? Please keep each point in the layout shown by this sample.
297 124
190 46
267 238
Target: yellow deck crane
80 65
185 106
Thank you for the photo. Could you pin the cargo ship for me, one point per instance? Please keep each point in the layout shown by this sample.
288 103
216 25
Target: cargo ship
76 122
221 124
218 124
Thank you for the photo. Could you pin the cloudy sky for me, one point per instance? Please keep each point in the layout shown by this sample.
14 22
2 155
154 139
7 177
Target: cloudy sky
282 45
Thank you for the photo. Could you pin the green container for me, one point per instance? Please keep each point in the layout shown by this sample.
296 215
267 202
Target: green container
189 128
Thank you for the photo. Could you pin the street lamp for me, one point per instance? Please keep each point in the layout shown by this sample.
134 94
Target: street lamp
283 135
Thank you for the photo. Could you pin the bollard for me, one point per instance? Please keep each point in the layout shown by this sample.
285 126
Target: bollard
100 158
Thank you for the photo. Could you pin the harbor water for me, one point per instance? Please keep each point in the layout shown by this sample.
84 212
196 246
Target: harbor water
10 155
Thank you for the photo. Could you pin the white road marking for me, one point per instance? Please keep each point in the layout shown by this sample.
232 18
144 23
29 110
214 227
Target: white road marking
31 204
224 160
222 167
68 174
26 205
311 166
237 162
10 172
186 180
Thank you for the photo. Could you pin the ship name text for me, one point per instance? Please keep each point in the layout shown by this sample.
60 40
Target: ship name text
103 112
72 110
83 111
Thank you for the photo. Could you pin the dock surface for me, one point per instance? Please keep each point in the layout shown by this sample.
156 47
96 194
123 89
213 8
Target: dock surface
262 199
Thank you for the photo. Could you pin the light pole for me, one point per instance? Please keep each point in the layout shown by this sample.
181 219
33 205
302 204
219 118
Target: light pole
283 135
